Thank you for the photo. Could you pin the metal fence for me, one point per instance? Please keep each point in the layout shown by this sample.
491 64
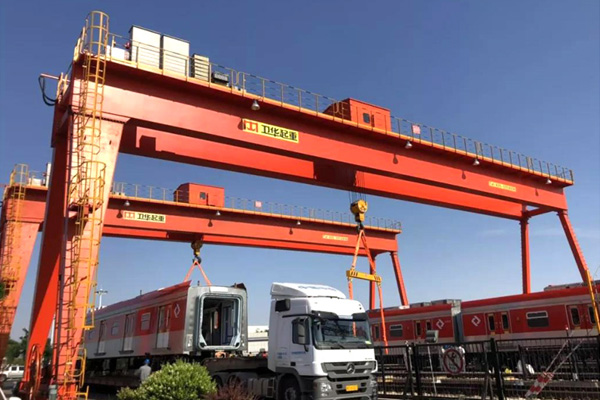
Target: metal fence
491 369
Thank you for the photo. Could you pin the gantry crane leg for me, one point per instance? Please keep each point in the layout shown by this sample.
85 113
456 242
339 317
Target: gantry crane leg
581 264
8 305
399 278
525 266
56 256
372 284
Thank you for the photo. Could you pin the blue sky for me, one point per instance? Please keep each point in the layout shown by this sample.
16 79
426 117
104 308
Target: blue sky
523 75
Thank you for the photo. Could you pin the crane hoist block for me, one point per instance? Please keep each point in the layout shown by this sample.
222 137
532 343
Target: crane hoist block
194 193
362 113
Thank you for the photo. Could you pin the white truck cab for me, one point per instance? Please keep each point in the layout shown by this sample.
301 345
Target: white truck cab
319 343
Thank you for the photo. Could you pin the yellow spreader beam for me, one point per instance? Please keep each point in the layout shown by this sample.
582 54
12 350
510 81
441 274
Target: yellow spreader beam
352 273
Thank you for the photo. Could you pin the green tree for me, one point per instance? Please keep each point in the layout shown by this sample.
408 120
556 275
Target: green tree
178 381
17 350
12 351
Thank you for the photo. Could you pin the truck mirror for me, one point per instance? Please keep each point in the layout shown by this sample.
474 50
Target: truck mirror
282 305
300 331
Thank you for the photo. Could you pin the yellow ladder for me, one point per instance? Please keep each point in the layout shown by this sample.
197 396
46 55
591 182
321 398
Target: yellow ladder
86 198
10 264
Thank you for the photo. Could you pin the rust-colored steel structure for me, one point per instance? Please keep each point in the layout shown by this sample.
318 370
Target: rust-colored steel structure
300 229
109 105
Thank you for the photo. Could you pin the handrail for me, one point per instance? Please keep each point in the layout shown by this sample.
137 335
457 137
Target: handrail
288 96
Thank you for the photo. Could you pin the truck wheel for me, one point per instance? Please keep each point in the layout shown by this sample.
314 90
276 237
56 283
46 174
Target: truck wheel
290 390
3 378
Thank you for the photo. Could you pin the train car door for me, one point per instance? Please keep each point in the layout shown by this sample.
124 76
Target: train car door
579 317
101 338
492 326
164 324
504 322
419 330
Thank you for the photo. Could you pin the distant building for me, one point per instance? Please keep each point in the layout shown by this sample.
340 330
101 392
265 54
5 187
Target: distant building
258 339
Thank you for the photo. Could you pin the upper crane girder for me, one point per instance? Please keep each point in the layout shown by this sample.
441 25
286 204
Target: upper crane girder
326 153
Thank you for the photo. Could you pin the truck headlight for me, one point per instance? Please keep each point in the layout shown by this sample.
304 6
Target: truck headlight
324 387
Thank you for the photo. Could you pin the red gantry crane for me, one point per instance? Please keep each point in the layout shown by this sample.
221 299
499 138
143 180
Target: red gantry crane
191 213
144 95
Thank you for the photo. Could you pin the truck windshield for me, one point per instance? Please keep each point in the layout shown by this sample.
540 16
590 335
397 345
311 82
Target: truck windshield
336 333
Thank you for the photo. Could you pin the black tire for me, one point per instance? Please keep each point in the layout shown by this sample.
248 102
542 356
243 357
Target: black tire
289 390
218 381
3 378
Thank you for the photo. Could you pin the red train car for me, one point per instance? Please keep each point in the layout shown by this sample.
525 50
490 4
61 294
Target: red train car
411 324
536 315
550 313
173 322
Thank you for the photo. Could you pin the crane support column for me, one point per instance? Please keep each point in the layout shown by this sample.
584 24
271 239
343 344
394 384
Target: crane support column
526 269
399 278
577 253
57 246
23 246
372 285
46 285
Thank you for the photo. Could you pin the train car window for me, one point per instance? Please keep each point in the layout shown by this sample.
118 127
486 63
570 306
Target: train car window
575 316
505 324
418 329
592 316
128 332
161 319
376 331
537 319
428 325
367 118
203 195
114 331
491 323
145 321
102 332
396 331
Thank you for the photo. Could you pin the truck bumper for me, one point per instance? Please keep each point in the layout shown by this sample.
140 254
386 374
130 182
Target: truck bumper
359 389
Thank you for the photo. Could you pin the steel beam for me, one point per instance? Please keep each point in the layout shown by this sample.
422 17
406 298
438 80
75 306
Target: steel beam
575 249
525 266
399 278
24 248
164 145
188 109
185 222
46 285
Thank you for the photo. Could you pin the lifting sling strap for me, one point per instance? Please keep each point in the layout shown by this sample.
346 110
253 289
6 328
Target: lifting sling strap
196 246
353 273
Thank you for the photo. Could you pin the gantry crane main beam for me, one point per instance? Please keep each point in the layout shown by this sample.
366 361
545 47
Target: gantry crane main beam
183 222
200 123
